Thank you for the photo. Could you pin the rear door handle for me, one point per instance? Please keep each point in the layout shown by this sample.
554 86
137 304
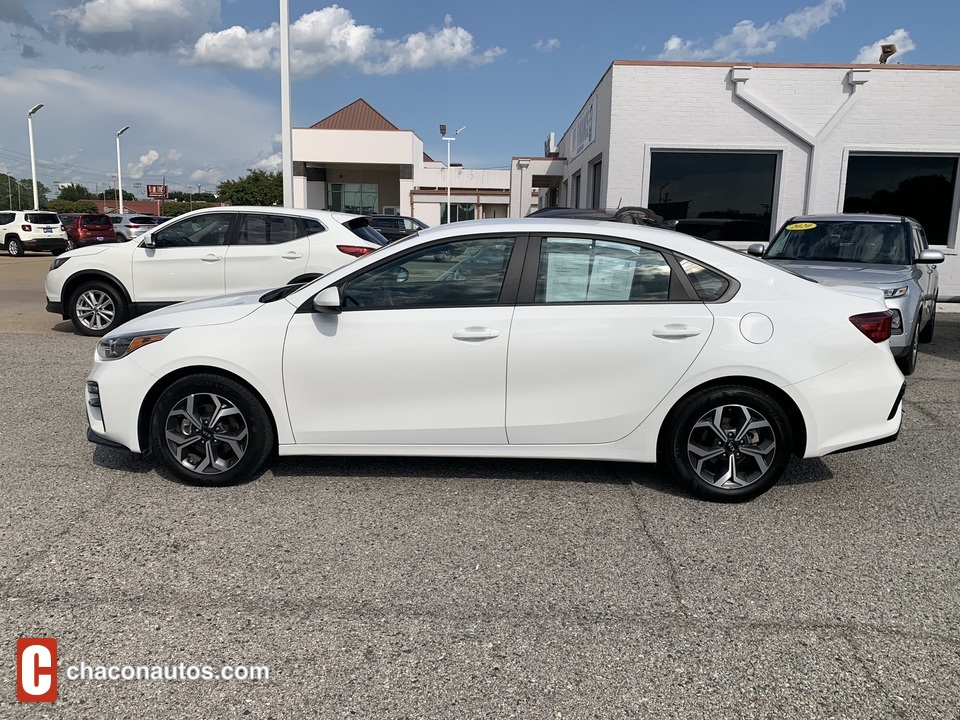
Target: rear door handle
676 331
212 258
476 334
292 256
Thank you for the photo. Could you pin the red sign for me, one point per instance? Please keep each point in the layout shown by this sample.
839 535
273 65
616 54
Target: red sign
157 191
36 669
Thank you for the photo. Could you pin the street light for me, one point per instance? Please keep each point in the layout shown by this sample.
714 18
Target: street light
120 132
443 134
33 159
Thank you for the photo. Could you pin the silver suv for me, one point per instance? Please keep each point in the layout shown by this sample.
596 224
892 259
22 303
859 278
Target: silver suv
886 252
35 230
131 225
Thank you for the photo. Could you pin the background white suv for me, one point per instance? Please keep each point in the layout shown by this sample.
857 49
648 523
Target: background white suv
202 253
38 230
131 225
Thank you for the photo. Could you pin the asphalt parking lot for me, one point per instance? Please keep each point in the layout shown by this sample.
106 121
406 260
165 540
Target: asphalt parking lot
399 588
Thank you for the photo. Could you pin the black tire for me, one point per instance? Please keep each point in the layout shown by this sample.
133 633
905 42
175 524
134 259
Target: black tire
71 245
908 363
203 417
15 247
926 335
729 443
96 308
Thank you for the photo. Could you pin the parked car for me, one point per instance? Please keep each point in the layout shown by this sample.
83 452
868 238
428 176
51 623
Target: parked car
394 227
205 252
36 231
625 343
85 229
633 214
131 225
886 252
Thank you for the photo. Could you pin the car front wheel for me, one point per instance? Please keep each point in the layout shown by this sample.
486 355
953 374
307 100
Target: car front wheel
728 444
14 247
211 430
97 308
908 363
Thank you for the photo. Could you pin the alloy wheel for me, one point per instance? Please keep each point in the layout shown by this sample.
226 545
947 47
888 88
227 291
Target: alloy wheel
731 446
95 309
206 433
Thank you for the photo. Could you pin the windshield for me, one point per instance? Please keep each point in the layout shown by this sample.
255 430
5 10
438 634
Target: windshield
884 243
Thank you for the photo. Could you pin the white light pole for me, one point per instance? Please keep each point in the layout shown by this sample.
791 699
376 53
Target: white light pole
286 132
120 132
33 159
443 134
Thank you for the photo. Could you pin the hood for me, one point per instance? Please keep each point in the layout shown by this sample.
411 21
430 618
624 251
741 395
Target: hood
88 250
841 273
217 310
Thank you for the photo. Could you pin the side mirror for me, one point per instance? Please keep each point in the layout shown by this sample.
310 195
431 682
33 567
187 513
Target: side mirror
757 249
328 301
148 241
930 257
402 274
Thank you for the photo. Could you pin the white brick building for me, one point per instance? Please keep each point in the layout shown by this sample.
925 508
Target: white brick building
765 142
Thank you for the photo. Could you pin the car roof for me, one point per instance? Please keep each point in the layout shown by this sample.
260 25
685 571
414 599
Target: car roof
328 215
850 217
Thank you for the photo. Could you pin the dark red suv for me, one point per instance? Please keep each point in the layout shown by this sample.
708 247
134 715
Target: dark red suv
87 229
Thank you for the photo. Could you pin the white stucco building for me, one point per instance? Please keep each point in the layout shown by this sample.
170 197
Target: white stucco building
758 143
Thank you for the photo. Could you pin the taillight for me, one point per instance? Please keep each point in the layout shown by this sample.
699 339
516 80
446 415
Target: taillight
25 227
354 250
875 325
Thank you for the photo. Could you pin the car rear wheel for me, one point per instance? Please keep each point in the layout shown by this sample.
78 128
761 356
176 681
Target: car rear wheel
211 430
728 444
97 308
908 363
71 245
15 247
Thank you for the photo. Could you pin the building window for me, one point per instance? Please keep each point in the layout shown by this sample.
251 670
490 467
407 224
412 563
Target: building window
359 198
461 211
595 178
575 200
919 186
721 185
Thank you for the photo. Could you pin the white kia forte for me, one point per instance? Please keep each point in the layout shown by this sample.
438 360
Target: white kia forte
549 338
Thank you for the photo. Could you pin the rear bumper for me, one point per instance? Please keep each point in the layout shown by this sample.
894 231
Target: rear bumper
42 244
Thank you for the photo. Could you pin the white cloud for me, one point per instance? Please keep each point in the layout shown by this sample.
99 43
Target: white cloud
547 45
329 37
136 170
870 54
130 25
747 40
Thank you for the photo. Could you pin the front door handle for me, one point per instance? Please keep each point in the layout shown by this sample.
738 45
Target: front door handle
476 334
212 258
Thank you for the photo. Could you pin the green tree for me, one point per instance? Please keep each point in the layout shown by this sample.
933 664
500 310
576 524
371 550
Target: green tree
198 197
75 192
259 187
72 206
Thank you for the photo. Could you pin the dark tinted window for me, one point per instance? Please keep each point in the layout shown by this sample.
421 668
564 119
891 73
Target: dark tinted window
95 220
919 187
143 220
266 229
455 274
7 218
312 226
200 230
726 186
43 218
710 285
370 234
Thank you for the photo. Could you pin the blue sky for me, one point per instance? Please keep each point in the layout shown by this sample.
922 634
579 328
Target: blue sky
197 80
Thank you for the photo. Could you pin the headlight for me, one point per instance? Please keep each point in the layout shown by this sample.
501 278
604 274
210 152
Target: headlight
895 292
58 262
114 348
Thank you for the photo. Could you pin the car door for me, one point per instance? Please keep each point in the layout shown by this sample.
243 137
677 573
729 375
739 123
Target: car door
417 357
186 260
601 343
269 250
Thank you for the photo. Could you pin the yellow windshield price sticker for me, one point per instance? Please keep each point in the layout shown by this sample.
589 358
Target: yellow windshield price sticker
801 226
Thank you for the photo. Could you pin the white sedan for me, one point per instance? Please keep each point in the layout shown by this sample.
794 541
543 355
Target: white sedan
531 338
